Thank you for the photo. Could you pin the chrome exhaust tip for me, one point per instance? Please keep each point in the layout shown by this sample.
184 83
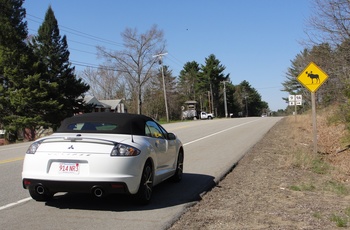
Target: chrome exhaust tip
97 191
40 189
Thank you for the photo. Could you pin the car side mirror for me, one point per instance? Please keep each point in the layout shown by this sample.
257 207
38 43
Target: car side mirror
171 136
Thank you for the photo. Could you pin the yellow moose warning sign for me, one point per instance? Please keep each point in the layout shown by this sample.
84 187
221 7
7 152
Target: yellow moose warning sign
312 77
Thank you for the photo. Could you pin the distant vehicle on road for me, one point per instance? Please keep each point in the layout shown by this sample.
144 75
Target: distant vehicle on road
2 137
204 115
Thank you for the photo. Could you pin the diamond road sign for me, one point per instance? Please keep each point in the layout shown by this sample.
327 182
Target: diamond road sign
312 77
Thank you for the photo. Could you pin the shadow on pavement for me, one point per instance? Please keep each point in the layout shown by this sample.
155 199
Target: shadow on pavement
164 195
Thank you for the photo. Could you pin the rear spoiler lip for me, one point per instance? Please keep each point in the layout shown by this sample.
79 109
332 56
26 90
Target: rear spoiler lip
77 138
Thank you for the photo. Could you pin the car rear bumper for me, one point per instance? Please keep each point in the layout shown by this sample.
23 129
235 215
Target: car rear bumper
77 186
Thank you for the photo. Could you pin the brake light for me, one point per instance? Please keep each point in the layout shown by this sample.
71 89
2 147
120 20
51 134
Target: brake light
33 147
125 150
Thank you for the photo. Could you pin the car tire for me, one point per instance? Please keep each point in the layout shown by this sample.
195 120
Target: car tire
42 196
179 168
144 193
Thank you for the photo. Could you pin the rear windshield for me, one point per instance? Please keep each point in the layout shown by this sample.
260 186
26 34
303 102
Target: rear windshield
92 126
110 123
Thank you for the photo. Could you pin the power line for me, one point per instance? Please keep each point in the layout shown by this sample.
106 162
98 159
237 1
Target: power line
82 43
82 51
270 87
77 32
71 31
102 67
176 60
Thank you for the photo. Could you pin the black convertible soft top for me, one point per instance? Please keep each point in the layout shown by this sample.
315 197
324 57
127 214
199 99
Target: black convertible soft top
106 122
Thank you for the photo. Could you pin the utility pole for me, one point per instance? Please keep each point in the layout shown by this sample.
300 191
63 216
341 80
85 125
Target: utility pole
246 103
225 102
212 99
160 56
209 102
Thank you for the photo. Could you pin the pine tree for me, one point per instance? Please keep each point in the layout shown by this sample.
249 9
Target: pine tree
210 79
13 32
52 49
188 81
22 92
250 100
291 85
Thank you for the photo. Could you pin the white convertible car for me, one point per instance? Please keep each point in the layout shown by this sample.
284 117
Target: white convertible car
103 153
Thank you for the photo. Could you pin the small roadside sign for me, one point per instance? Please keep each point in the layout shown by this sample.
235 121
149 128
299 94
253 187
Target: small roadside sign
291 97
295 99
312 77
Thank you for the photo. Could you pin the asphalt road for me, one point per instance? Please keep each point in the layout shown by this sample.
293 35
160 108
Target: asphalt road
212 148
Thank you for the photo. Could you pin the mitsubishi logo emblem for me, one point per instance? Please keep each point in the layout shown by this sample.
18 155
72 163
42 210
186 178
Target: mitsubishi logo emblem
71 147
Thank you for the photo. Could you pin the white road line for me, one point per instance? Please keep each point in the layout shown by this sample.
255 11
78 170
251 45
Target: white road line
15 203
191 142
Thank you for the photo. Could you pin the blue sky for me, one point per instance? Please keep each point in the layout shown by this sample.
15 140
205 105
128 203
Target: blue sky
254 39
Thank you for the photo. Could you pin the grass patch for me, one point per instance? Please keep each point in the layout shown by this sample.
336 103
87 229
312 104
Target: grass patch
310 161
347 212
319 166
317 215
295 188
338 188
339 221
303 187
302 159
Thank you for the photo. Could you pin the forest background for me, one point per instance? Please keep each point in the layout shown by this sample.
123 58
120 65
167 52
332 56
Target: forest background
39 86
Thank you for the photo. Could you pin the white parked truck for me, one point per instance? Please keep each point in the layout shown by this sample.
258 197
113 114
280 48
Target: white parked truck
204 115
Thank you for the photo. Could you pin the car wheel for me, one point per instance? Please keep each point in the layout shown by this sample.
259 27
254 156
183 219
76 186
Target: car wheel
179 167
146 185
39 193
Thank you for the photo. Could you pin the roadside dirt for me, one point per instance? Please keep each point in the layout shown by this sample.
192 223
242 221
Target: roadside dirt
281 184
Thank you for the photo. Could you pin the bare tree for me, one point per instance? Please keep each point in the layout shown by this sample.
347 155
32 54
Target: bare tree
136 62
329 22
105 83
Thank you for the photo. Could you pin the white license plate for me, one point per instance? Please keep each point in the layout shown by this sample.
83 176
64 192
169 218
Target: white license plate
69 168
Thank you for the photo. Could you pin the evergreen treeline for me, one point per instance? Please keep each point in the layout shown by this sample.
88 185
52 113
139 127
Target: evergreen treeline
39 86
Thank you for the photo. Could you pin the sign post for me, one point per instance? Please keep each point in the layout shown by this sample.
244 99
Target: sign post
312 78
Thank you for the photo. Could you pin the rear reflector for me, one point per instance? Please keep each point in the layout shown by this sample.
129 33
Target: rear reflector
117 185
26 182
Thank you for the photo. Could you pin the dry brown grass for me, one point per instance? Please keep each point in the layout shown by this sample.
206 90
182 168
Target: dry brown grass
332 147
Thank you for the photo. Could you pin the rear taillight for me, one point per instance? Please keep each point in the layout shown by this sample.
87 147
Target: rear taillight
26 183
124 150
33 147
